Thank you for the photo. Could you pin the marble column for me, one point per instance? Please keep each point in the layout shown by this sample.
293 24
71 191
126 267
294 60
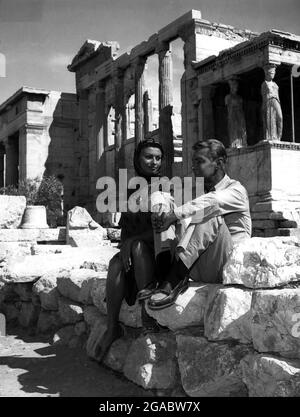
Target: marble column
165 71
147 103
100 119
119 114
139 65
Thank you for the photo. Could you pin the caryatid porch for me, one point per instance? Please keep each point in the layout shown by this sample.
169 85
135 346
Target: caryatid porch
269 164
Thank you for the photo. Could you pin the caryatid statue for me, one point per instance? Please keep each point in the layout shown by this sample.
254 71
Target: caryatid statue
271 108
236 118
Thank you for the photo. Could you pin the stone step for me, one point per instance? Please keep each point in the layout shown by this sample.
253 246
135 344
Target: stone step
33 235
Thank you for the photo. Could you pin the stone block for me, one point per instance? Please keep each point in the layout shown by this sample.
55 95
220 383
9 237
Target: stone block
48 321
210 369
263 263
10 311
228 314
80 328
76 284
18 235
129 315
91 314
28 314
87 238
151 361
11 211
97 332
30 268
188 310
69 311
276 321
46 289
117 354
14 250
79 218
270 376
24 291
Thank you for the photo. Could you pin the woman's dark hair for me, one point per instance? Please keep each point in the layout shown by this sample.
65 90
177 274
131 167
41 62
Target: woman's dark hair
147 143
215 147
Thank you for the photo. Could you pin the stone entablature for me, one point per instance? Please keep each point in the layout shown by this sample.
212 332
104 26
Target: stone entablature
270 47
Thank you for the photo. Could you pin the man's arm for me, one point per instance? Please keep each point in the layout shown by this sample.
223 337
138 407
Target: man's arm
212 204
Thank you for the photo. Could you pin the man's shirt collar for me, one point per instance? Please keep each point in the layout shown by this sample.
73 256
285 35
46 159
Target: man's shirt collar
223 183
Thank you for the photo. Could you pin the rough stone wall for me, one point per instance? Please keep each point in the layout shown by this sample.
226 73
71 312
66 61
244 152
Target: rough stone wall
238 338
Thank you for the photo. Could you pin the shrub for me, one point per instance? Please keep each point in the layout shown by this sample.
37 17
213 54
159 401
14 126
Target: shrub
46 192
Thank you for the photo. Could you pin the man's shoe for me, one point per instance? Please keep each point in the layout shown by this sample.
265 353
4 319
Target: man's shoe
170 299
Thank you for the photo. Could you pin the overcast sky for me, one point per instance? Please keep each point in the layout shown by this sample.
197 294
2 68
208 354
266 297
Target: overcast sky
40 37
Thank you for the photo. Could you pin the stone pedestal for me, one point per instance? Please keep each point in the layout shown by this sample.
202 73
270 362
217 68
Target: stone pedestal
270 172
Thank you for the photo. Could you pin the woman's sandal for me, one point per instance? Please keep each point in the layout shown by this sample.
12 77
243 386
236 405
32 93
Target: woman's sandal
147 291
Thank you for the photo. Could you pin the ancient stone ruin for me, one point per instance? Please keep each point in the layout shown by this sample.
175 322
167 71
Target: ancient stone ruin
238 338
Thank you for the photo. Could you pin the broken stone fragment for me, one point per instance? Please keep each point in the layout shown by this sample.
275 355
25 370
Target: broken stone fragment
46 289
263 263
79 218
48 321
228 315
76 284
270 376
151 361
210 369
276 321
11 211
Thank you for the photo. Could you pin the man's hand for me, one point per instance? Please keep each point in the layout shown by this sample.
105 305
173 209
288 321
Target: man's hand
163 221
125 252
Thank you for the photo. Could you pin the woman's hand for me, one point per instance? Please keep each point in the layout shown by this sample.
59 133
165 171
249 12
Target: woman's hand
163 222
125 252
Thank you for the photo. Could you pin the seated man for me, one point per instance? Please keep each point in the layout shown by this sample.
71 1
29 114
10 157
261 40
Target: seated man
215 221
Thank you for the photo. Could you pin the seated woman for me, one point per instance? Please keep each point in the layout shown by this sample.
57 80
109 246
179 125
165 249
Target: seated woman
132 271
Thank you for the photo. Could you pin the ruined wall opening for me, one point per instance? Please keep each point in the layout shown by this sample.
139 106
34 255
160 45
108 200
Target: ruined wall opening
130 116
110 132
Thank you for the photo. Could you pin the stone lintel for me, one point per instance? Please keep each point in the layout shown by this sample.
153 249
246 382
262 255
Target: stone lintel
268 47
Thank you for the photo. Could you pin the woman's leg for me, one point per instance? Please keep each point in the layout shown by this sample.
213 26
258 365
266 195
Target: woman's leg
144 270
115 292
143 264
